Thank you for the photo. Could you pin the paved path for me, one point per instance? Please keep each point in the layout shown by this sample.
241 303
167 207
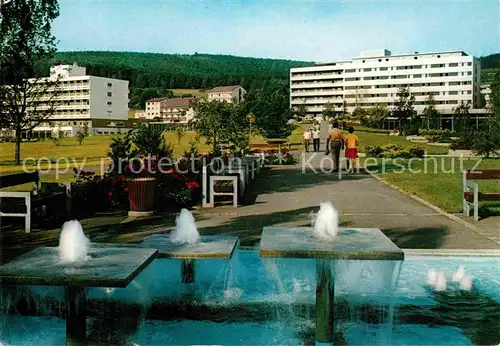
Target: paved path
287 196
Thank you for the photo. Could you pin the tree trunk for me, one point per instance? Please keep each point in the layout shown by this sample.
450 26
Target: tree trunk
18 147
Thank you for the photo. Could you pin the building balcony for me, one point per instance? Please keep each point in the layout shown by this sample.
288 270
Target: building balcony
320 76
317 93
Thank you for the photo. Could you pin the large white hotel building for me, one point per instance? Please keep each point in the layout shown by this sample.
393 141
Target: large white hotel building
376 76
97 102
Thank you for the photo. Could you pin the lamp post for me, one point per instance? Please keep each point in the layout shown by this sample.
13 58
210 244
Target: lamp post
251 120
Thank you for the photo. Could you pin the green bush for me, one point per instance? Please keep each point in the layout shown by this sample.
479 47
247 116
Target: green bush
394 151
437 136
417 151
374 151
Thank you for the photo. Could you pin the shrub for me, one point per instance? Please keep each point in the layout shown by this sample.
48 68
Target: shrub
374 151
394 151
416 151
437 136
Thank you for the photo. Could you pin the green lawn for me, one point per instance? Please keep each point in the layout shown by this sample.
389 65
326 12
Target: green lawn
93 149
440 187
370 138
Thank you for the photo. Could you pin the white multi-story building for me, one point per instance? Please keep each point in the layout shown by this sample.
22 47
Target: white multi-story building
231 94
178 110
153 107
376 76
80 100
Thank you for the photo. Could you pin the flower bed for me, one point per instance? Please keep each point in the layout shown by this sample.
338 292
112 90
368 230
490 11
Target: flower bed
275 157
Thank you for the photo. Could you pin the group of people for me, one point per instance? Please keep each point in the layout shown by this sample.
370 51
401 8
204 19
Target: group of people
314 134
335 143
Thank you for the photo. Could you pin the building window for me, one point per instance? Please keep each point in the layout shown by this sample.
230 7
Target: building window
469 64
439 56
110 94
110 103
384 68
110 85
453 64
415 58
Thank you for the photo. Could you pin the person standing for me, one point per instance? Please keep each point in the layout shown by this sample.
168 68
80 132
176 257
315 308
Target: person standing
335 143
307 139
316 136
351 149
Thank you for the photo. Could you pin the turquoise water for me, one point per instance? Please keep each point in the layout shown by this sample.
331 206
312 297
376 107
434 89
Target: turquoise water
254 301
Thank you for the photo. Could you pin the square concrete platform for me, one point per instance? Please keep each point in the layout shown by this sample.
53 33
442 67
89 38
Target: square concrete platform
209 247
350 243
107 266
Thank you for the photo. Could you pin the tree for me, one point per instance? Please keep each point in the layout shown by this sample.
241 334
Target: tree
220 122
404 111
461 115
82 133
344 113
495 94
270 105
329 111
57 136
25 40
377 115
179 132
301 111
148 140
487 139
430 113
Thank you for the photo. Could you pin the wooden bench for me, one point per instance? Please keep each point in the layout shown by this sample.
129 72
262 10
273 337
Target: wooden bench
474 197
42 195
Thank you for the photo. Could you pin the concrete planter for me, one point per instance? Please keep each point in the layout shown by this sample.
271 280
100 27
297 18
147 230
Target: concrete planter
141 195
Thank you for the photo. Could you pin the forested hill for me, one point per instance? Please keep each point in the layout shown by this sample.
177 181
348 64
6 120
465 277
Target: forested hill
197 71
490 61
167 71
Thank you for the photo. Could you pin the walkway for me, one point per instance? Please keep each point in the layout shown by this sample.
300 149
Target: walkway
287 196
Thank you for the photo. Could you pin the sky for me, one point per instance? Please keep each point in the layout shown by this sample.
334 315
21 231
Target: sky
299 30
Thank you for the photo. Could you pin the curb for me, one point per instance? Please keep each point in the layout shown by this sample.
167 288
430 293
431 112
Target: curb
464 223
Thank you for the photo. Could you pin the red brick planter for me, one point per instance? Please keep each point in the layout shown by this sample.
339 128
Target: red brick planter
141 195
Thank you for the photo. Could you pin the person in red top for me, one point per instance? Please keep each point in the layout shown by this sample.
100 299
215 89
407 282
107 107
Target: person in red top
351 152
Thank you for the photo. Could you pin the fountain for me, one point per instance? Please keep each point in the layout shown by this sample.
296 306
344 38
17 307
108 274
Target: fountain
185 231
76 264
73 244
186 244
326 242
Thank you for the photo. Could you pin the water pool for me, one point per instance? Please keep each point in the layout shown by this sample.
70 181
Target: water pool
255 301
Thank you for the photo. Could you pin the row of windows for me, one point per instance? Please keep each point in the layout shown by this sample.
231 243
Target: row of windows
71 112
412 85
416 103
427 75
73 82
434 93
384 68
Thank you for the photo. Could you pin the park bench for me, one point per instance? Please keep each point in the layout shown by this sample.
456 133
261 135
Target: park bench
42 195
215 183
474 197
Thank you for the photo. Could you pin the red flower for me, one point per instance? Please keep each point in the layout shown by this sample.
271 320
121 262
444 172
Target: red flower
122 178
110 194
191 185
125 189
